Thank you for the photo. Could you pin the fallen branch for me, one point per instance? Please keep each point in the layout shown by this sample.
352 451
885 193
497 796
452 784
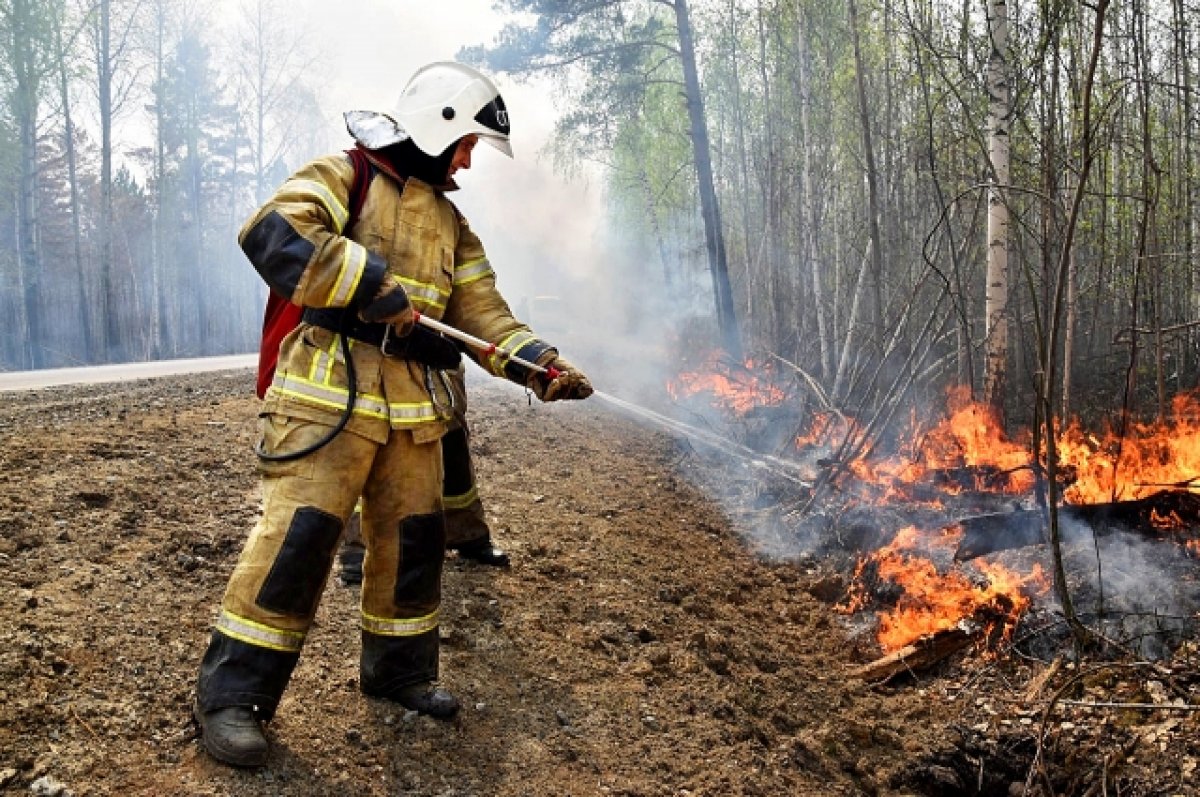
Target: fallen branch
925 652
1003 531
1135 706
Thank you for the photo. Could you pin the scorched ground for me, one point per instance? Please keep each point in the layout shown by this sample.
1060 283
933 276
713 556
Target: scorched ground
637 647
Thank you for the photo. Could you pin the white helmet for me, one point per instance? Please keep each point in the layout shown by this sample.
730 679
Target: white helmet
441 103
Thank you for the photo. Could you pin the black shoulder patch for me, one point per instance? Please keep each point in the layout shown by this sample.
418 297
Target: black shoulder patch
278 252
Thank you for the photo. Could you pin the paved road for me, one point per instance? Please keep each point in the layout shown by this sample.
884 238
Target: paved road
25 380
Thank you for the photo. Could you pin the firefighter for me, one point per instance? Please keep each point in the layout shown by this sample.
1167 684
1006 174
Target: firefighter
358 406
467 531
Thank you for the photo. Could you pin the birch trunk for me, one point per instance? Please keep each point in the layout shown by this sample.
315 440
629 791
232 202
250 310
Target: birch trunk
999 121
874 293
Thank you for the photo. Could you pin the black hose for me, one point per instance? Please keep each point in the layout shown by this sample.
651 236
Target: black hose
352 386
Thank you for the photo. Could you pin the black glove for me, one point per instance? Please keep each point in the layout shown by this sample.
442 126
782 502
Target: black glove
425 346
390 306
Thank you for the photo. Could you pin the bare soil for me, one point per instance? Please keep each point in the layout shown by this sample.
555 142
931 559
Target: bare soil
639 645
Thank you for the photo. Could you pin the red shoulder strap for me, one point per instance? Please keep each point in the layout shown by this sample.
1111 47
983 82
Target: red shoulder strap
363 172
281 316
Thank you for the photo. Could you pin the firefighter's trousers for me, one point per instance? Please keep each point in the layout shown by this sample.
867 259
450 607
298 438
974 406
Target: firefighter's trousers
465 521
273 593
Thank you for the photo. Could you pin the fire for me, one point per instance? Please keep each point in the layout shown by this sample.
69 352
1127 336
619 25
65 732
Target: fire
739 388
1150 457
1171 521
933 601
966 449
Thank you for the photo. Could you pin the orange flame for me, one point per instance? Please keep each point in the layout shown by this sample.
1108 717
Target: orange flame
934 601
1150 457
969 440
968 449
739 389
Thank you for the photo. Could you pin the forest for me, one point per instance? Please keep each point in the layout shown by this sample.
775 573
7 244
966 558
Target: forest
890 196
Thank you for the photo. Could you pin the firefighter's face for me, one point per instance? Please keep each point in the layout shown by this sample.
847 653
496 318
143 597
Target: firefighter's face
462 153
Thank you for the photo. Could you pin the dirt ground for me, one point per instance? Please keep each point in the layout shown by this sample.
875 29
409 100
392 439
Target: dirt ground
638 645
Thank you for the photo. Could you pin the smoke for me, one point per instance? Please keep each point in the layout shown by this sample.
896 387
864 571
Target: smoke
1140 592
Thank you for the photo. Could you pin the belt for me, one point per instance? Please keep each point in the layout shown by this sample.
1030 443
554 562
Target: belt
422 345
348 323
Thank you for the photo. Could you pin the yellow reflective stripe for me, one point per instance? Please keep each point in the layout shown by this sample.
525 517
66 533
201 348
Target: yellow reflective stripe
387 626
334 398
424 294
472 270
416 411
259 635
461 501
354 262
321 370
507 348
336 211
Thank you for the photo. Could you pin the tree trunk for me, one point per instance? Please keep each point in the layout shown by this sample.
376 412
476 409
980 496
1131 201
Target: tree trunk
24 99
161 338
874 312
809 197
1049 347
999 122
64 88
710 211
110 332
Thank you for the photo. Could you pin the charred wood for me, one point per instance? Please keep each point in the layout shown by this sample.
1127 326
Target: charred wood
919 655
1165 514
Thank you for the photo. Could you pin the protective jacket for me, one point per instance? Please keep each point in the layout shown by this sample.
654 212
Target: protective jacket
409 228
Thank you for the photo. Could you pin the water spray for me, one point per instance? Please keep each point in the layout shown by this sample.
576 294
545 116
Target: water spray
774 465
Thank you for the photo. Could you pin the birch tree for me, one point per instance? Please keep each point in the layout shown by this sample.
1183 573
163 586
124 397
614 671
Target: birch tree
999 126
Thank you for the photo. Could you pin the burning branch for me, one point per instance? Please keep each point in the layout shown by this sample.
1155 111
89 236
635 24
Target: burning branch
925 652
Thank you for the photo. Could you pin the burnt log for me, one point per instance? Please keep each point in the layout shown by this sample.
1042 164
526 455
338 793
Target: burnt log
1168 514
918 655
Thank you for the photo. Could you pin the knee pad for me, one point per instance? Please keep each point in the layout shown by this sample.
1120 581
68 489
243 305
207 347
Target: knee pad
298 573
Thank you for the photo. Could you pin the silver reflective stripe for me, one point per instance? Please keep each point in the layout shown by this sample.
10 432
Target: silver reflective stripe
385 626
354 262
430 295
507 348
331 397
259 635
322 365
332 206
423 411
471 271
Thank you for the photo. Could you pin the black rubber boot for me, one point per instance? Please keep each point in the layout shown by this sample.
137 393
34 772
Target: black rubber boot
483 552
425 698
233 735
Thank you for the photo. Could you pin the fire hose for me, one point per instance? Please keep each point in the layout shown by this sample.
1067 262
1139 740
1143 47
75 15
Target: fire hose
755 459
775 465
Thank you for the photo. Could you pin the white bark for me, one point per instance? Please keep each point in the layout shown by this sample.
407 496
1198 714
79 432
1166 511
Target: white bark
999 123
